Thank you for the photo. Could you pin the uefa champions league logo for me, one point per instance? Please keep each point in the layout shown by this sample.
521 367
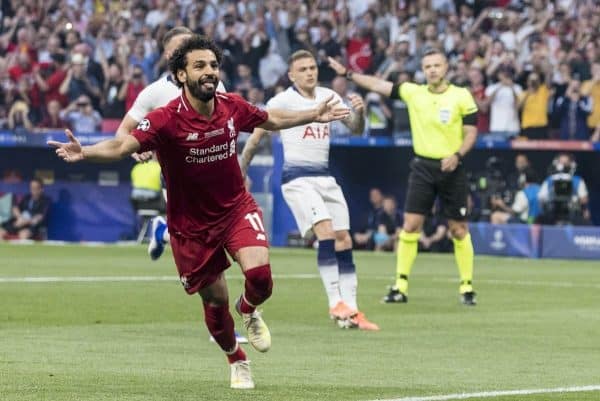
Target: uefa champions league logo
498 242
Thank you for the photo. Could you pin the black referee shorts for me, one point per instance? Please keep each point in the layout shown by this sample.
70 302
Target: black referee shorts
427 181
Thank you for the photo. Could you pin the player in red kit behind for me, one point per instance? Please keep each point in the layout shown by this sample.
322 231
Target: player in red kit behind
209 210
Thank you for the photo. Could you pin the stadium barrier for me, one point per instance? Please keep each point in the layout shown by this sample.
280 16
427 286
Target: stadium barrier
91 201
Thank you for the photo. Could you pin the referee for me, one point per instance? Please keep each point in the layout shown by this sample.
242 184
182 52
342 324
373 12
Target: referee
442 121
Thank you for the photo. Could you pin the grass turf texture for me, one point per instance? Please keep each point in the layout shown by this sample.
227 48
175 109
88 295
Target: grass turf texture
536 326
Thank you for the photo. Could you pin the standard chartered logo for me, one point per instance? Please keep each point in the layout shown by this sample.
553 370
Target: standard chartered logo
212 153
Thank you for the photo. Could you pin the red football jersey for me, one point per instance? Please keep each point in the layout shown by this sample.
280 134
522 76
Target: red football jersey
199 162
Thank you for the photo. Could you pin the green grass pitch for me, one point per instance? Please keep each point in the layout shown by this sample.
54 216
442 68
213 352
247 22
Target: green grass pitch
537 326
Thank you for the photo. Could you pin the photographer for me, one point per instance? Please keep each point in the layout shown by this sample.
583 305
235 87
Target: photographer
563 196
504 104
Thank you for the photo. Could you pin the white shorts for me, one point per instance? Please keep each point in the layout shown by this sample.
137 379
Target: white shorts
314 199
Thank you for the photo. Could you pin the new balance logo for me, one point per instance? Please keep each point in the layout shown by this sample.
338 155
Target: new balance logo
192 136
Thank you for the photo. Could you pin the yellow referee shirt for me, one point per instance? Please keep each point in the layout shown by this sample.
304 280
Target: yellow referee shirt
436 119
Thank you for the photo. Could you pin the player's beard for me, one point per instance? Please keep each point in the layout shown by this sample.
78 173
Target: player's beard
197 90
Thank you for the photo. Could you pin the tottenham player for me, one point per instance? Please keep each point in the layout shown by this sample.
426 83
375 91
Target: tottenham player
156 95
313 195
210 211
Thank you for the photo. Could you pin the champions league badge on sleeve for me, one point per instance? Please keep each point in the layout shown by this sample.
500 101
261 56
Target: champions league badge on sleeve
144 125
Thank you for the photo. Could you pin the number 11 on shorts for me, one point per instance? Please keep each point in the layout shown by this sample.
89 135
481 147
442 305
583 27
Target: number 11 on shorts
257 225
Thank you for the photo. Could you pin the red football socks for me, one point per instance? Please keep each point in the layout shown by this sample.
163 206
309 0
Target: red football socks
258 288
220 325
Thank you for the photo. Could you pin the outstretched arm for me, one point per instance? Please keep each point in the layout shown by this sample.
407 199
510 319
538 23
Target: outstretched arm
104 151
250 149
127 125
369 82
324 112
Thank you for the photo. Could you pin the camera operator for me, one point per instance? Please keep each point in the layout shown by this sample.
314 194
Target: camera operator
525 207
563 196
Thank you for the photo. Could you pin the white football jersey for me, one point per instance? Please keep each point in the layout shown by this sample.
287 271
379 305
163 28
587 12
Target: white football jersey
157 94
305 147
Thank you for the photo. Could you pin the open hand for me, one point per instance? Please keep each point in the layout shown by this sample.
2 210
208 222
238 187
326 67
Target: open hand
328 111
357 103
142 157
336 66
70 151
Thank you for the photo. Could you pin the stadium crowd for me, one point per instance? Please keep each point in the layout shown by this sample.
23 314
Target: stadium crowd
533 66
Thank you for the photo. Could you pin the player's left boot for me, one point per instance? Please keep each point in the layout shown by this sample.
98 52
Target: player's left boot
241 378
156 247
468 298
258 332
360 321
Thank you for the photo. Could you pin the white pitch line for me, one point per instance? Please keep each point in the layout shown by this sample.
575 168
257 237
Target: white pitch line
491 394
303 276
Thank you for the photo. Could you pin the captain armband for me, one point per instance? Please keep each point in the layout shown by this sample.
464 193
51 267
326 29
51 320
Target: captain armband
395 92
470 119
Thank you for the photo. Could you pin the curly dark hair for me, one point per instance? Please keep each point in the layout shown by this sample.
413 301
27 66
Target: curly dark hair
178 60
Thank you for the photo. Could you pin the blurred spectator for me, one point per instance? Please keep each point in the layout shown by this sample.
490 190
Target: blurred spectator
572 111
363 239
244 81
255 45
563 196
93 68
400 119
503 95
52 121
477 89
18 117
591 88
525 207
435 236
556 40
81 116
516 177
29 216
142 60
115 91
79 82
135 82
158 14
326 46
51 86
399 58
389 222
534 105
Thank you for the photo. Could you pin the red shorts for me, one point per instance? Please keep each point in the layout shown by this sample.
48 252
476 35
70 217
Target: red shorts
200 264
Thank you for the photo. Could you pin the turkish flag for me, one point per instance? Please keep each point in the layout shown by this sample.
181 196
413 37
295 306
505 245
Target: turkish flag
359 54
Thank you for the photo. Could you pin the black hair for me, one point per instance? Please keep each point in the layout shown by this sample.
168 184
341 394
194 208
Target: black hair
38 180
178 60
